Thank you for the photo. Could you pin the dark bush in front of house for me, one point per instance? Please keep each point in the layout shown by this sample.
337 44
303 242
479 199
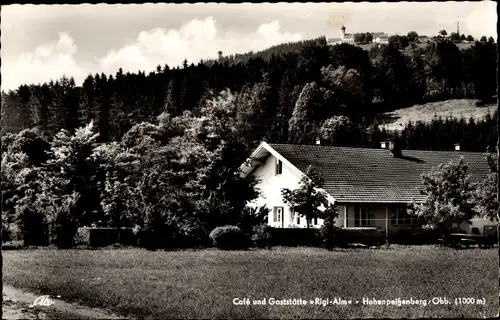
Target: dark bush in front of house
101 237
425 237
366 236
64 232
403 237
34 229
229 238
127 237
414 237
295 237
262 236
168 238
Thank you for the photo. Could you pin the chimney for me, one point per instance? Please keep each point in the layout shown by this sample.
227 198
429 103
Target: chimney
383 144
220 55
318 141
457 146
395 148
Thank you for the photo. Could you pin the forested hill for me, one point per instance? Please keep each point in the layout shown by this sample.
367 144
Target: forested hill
277 50
297 88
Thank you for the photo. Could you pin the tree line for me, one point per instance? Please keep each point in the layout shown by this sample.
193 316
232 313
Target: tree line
176 176
402 41
174 180
307 81
475 135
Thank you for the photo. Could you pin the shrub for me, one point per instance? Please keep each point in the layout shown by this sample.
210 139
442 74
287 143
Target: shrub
262 236
13 245
413 237
127 237
229 238
368 236
102 237
252 217
163 237
328 232
82 237
10 231
65 231
293 237
34 229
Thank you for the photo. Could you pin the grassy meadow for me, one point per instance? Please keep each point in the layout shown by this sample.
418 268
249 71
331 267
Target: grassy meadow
397 119
203 284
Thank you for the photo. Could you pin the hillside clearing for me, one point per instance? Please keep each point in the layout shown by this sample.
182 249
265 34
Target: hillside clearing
457 108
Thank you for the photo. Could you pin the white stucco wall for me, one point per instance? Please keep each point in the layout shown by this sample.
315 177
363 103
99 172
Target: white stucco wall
477 222
270 187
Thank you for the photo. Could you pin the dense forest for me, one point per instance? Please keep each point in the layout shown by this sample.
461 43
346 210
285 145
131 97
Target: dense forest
158 153
306 81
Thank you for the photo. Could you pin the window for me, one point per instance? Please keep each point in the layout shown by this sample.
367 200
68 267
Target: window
294 217
364 217
279 167
277 214
313 221
399 216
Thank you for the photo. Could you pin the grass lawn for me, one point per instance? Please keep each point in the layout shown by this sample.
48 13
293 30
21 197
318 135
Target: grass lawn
425 112
203 284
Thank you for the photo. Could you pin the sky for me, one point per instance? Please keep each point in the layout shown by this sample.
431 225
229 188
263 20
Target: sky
43 42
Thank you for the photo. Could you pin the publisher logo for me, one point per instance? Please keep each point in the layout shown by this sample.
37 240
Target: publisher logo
42 301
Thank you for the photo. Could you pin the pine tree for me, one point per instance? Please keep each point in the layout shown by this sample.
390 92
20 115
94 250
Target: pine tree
300 127
172 101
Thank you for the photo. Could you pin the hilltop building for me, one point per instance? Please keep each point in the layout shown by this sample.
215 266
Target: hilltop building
378 37
344 37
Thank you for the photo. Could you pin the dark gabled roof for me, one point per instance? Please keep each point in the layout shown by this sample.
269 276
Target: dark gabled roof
374 175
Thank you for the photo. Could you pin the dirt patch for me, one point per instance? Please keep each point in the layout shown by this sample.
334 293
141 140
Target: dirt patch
18 304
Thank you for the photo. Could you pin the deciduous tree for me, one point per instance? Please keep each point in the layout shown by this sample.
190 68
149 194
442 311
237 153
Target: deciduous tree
308 200
449 196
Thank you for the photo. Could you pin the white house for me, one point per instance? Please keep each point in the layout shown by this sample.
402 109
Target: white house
370 187
380 37
423 39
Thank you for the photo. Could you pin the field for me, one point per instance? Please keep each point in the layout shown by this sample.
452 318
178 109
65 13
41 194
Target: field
203 284
425 112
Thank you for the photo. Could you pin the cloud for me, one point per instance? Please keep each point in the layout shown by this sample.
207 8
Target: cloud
482 20
49 61
195 40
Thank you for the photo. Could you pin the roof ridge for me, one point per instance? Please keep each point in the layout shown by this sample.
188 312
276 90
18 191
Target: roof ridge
368 148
